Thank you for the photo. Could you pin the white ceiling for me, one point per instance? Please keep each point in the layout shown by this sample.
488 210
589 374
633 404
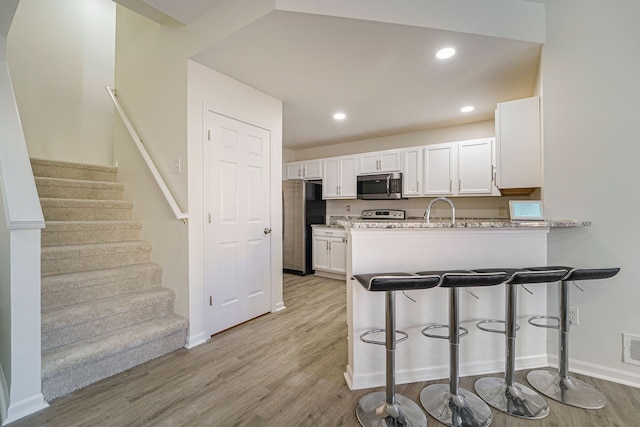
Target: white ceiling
385 77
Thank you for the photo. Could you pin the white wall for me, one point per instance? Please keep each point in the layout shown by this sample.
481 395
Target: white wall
212 91
61 58
590 79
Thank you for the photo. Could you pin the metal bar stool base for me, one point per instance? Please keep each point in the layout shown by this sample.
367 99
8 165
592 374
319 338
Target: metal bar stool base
374 411
457 410
517 400
569 390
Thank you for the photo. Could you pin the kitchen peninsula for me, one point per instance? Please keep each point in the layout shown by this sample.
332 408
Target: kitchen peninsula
414 245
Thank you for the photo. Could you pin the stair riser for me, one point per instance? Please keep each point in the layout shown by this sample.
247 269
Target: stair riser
85 214
63 238
67 334
50 267
65 382
55 299
63 192
71 172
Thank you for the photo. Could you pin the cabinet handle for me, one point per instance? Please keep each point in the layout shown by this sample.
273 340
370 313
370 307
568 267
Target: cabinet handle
450 186
304 171
418 186
459 183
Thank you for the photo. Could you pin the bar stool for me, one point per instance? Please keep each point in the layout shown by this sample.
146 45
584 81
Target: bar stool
505 394
559 385
451 404
386 408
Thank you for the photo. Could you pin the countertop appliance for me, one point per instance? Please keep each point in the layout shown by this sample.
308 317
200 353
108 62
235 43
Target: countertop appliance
302 206
386 186
395 214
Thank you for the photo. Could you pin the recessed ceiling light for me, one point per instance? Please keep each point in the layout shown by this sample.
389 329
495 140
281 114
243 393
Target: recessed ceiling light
467 109
339 116
445 53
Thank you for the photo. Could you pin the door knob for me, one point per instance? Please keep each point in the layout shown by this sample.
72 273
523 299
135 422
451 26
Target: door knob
267 230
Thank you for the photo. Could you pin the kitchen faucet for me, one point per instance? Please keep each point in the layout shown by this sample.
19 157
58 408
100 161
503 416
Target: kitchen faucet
427 214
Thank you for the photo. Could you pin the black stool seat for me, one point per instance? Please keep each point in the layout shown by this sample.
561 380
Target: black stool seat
379 282
386 408
448 403
559 385
505 394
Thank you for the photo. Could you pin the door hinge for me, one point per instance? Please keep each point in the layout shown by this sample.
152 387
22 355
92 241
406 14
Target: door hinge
209 217
209 135
210 300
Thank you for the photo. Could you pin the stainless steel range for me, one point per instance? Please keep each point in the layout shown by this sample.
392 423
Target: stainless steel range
395 214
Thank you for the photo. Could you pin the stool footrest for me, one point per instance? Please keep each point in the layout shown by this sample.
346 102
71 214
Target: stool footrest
464 332
480 326
533 321
404 337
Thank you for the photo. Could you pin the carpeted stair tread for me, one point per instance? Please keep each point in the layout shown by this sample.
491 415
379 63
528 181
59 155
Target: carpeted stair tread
55 209
95 256
79 189
94 349
104 307
74 281
58 233
73 288
70 170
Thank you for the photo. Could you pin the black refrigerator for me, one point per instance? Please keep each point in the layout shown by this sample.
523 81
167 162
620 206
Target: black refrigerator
302 206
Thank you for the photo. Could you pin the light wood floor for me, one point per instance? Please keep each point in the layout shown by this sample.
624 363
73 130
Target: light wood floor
281 369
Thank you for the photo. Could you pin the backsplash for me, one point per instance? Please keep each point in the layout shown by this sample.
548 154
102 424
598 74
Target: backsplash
466 207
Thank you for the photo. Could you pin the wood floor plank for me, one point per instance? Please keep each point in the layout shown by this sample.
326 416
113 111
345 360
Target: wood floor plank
282 369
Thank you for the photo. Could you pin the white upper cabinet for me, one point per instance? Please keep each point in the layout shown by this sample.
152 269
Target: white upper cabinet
412 172
380 161
476 167
310 169
339 180
518 130
439 169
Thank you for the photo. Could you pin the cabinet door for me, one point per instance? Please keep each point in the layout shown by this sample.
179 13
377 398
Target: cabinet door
338 254
348 187
390 161
519 144
475 166
313 169
439 169
369 163
294 170
412 172
331 179
321 260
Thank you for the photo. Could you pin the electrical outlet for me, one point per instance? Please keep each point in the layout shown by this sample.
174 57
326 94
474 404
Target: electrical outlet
174 166
574 316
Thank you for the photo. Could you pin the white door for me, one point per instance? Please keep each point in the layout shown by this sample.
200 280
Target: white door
237 222
475 166
438 165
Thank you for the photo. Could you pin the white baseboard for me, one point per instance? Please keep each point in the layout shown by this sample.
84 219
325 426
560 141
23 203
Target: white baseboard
196 340
599 371
378 379
25 407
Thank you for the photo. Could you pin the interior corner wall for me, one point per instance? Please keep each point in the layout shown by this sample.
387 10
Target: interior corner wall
61 57
212 91
591 90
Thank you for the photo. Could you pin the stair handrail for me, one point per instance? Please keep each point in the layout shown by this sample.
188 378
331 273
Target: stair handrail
147 159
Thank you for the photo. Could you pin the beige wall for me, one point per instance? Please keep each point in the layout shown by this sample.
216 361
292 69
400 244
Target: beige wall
433 136
61 59
591 92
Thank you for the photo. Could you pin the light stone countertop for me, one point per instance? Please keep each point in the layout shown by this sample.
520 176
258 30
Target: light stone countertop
351 222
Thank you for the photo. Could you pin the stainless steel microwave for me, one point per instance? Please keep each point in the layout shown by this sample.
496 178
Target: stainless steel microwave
386 186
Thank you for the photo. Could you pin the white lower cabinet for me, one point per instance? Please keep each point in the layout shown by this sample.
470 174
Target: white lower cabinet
329 252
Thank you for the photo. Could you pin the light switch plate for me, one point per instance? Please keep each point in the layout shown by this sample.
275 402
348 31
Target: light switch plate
174 166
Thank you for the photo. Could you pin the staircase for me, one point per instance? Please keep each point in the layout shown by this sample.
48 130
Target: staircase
104 309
